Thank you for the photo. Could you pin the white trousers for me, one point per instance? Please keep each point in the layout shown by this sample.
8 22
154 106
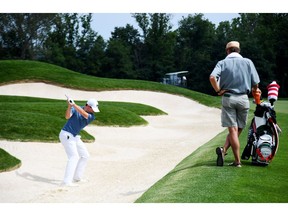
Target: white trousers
77 156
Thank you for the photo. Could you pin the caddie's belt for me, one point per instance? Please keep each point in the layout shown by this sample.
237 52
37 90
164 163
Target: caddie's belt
230 94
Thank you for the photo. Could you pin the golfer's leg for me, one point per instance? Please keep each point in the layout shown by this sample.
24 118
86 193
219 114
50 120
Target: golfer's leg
234 142
82 162
72 155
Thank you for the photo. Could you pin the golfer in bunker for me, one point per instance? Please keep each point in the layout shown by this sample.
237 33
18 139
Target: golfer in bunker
78 118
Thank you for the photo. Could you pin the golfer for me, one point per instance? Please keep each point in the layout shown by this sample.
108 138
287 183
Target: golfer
78 117
233 78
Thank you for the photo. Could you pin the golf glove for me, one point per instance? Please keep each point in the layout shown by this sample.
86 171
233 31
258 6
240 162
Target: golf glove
70 100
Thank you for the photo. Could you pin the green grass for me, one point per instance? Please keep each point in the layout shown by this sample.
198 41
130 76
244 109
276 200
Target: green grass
41 120
281 106
124 114
34 119
8 162
12 71
197 179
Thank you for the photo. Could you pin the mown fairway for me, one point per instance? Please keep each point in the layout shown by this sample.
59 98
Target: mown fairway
197 179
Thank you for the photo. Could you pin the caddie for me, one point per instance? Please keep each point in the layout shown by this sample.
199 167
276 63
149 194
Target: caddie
233 78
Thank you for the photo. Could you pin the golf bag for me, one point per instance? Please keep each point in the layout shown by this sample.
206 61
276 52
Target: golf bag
263 134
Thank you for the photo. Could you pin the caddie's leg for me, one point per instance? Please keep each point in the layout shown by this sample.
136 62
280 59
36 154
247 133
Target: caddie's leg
234 142
82 162
227 142
226 145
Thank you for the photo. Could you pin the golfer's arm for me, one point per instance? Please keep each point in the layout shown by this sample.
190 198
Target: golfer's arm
68 112
81 111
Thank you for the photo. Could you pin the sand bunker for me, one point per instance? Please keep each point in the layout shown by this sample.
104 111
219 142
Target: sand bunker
124 162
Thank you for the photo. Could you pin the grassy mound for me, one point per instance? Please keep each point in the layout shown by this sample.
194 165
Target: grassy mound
12 71
34 119
8 162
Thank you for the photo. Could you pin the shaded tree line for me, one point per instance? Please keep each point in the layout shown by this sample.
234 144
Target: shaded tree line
153 49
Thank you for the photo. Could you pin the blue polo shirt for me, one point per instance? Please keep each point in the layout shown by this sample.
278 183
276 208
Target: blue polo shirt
236 74
77 122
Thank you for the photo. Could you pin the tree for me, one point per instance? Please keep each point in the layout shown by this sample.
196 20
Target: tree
158 45
130 38
88 48
223 35
60 44
118 63
22 34
74 45
280 49
195 41
251 31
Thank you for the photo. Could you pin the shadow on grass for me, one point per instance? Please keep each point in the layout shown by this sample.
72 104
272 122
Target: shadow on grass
213 164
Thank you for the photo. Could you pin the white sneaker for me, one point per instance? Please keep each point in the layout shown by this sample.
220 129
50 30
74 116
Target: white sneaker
80 180
69 185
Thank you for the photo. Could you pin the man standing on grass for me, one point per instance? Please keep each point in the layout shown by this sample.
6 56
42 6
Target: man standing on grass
233 78
78 118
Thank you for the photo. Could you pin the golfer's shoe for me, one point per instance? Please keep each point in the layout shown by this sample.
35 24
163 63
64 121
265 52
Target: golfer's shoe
80 180
69 185
220 156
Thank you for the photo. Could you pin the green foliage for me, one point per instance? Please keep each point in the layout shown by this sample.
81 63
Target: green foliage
118 63
23 34
196 37
195 46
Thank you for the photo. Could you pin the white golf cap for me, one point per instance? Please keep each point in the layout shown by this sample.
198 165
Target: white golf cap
234 44
94 104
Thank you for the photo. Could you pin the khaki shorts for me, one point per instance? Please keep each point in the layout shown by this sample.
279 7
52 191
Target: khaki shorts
235 110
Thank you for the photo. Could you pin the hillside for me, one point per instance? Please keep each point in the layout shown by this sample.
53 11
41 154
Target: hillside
13 71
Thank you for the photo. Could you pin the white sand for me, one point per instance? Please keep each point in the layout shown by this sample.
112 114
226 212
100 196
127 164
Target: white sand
124 162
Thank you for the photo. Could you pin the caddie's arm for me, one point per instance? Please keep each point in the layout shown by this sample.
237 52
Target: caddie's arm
215 85
255 89
256 93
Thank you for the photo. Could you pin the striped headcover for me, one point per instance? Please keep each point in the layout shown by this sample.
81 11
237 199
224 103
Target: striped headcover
273 89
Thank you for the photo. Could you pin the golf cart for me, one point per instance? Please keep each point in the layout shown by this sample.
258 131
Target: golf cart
176 78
